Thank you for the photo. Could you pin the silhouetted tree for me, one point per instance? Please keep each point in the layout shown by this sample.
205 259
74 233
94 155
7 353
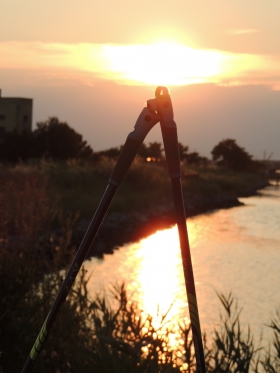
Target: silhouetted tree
143 151
112 153
52 138
183 151
153 150
193 158
58 140
227 153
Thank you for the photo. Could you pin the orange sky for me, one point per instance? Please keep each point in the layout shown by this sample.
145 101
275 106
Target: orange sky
54 50
159 63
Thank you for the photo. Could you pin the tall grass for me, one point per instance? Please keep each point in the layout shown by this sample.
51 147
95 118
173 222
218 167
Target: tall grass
80 185
212 181
105 332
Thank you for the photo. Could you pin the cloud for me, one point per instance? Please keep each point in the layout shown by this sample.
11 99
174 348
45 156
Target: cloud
242 31
151 64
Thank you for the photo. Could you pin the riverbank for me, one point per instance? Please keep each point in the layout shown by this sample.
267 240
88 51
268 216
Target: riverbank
119 228
39 194
120 329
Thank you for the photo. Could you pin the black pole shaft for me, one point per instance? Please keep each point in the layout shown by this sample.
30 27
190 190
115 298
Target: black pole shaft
144 124
170 140
71 275
188 273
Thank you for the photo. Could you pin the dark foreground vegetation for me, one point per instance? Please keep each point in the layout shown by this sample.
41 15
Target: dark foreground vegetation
143 202
106 332
90 334
46 201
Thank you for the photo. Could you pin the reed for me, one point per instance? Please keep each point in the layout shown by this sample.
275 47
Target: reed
105 332
81 184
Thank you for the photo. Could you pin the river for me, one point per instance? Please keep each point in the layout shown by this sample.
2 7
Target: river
235 250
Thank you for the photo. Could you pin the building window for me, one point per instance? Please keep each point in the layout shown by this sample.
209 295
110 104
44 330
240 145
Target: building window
2 117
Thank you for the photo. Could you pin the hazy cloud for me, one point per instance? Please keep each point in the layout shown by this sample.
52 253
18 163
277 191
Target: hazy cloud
242 31
138 64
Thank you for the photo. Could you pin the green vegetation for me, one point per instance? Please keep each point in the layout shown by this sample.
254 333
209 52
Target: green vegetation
101 333
107 332
41 197
81 184
213 181
79 175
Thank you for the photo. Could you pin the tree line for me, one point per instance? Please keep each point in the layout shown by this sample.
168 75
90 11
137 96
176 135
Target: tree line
56 140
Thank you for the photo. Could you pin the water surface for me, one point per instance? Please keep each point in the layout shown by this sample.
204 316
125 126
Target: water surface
235 249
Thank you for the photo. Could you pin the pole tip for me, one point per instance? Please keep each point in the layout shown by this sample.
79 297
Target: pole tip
161 91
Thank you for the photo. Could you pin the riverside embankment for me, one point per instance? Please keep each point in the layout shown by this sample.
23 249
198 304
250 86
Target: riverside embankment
120 227
33 194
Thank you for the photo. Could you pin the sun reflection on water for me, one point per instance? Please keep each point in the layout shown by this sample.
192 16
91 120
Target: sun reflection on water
153 273
158 271
159 276
232 250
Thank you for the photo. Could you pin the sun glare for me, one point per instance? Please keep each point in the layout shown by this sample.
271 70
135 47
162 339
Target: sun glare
162 63
159 63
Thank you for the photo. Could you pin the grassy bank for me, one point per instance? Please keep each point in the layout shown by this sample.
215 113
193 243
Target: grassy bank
90 334
80 185
142 204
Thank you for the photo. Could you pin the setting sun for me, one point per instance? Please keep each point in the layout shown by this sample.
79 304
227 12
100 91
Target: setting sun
162 63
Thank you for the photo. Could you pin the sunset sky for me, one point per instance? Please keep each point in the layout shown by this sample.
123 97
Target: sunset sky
94 64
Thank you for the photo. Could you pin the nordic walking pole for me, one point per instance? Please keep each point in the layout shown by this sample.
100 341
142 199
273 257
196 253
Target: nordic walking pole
163 106
144 124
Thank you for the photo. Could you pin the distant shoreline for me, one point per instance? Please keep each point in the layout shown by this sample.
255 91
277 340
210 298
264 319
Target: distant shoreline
59 192
119 228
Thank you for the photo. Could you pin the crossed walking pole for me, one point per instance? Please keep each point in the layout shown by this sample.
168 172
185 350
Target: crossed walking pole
159 109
